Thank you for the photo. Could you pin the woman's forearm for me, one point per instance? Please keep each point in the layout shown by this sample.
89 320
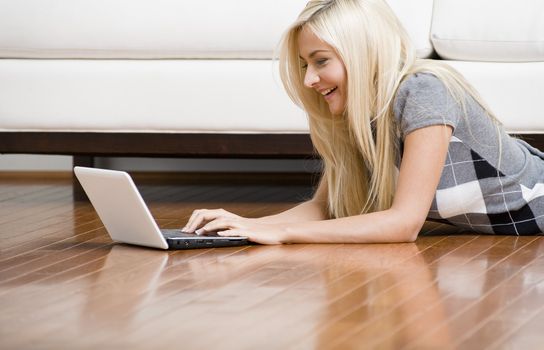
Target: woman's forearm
306 211
386 226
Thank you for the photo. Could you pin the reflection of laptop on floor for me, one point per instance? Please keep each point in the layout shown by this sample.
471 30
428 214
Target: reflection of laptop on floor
127 219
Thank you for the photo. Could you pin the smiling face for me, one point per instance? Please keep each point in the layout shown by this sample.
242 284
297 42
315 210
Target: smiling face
324 70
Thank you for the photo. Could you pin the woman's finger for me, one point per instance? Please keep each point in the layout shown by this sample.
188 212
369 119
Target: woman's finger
192 219
206 215
219 224
230 233
213 225
199 217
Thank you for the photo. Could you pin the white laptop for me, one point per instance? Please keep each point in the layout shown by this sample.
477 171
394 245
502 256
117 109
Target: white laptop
128 220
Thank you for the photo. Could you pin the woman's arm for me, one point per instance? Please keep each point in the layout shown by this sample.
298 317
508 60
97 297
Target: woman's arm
312 210
424 155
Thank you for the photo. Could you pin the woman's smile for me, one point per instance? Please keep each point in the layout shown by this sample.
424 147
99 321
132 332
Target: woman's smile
330 93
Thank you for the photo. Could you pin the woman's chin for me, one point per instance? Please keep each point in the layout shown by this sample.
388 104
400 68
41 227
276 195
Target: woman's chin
336 111
336 107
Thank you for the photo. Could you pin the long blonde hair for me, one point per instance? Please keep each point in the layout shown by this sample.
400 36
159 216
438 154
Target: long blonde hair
360 150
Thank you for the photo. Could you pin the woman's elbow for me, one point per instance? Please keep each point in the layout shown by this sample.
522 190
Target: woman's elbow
405 237
409 229
413 230
411 237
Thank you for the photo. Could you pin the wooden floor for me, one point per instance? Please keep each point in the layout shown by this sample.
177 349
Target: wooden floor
65 285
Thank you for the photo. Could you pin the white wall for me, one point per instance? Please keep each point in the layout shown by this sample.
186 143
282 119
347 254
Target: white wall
25 162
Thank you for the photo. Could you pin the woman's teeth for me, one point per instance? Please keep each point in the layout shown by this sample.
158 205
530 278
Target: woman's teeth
328 91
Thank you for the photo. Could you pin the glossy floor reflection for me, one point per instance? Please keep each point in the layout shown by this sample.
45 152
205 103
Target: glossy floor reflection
64 284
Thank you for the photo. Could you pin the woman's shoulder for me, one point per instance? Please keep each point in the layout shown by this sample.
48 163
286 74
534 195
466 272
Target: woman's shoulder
422 100
421 81
421 88
418 88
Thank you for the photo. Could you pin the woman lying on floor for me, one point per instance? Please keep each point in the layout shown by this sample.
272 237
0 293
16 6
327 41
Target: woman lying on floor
402 140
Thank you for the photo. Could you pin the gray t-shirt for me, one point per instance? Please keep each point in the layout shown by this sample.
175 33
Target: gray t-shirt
476 192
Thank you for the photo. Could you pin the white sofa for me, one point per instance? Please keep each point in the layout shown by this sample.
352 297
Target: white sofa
196 78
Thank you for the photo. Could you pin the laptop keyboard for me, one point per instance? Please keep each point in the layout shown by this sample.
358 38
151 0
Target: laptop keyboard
172 233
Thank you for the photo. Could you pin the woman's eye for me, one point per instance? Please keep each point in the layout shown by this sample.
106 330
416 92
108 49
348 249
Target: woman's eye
319 62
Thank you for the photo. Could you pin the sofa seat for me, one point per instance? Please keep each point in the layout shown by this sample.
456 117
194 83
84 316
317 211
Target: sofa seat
208 96
190 96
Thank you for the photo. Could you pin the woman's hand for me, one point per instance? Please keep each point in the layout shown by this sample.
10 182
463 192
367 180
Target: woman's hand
229 224
203 216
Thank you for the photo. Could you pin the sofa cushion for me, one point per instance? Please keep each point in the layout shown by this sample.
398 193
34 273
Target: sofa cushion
489 30
143 28
154 29
512 90
146 96
177 96
416 16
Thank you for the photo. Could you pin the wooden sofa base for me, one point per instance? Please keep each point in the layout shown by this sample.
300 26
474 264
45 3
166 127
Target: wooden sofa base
84 146
158 144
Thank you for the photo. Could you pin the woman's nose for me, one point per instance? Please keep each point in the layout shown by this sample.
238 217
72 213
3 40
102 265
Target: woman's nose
310 78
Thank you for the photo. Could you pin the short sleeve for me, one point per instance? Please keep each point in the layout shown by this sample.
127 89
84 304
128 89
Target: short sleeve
422 100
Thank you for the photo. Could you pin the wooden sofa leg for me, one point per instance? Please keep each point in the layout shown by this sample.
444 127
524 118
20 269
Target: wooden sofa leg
77 190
